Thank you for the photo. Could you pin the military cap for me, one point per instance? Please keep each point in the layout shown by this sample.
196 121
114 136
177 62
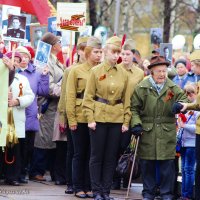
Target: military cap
158 60
82 40
128 45
50 38
114 41
94 42
22 49
195 55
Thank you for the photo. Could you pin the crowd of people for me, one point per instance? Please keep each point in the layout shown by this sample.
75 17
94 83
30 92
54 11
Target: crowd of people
75 121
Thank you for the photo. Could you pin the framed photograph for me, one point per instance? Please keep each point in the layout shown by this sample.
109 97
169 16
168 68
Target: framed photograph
166 51
28 18
16 26
42 54
28 33
156 35
52 26
36 33
6 11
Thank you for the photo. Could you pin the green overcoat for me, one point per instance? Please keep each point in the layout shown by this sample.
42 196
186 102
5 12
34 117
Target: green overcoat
154 112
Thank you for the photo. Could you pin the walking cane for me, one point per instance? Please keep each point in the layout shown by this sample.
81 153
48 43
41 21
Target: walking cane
132 167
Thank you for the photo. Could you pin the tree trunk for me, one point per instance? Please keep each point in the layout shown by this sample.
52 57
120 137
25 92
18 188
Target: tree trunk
167 20
93 14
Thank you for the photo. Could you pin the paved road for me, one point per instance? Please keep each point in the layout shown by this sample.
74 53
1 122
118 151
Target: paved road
48 191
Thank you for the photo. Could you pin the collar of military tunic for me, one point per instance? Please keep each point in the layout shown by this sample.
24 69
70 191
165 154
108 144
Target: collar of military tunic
108 66
88 66
131 69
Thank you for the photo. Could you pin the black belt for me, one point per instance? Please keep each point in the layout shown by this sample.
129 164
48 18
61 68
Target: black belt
109 102
80 95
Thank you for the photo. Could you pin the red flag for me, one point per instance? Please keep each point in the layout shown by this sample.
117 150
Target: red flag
41 8
123 40
73 53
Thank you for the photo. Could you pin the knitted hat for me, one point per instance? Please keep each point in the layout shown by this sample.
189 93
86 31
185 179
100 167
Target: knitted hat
195 55
94 42
31 51
50 38
22 49
180 61
9 55
114 41
128 45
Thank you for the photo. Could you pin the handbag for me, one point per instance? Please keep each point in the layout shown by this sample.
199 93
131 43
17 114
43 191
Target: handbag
124 164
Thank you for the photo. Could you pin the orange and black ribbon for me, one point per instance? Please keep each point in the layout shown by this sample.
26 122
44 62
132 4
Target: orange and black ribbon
20 90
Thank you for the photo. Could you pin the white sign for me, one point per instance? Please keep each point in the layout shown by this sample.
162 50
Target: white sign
71 16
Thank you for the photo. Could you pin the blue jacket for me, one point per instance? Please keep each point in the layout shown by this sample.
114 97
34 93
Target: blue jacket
189 136
40 86
189 77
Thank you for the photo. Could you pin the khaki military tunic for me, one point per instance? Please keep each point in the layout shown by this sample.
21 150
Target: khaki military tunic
62 100
109 83
76 84
135 75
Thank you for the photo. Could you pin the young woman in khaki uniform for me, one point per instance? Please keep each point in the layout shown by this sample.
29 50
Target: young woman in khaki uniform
81 44
76 84
135 75
106 106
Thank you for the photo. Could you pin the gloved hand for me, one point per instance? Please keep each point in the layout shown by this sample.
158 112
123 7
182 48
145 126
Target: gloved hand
137 130
176 108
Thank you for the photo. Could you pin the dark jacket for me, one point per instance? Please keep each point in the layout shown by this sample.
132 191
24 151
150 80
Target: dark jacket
154 112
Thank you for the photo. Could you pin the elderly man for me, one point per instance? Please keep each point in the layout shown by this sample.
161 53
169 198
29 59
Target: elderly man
154 105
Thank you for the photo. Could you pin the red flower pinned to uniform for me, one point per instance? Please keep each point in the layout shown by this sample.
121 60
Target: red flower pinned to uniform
169 96
102 77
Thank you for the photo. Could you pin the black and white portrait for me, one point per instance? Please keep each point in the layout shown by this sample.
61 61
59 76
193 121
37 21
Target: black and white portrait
156 35
166 51
16 26
36 33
